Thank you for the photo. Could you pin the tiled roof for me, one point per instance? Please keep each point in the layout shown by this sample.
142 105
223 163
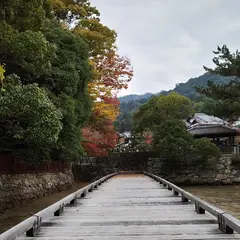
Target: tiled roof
212 129
203 118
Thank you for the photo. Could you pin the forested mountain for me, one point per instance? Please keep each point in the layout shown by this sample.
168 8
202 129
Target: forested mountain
131 103
134 97
187 89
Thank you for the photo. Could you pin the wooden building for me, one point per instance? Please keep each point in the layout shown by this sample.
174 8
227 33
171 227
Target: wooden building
224 135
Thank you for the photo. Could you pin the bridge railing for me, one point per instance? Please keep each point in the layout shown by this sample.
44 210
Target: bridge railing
226 222
31 226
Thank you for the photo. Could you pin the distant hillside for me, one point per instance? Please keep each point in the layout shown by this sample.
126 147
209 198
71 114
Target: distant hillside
134 97
130 103
187 89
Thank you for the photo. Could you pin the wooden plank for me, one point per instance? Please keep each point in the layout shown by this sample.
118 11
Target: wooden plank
135 207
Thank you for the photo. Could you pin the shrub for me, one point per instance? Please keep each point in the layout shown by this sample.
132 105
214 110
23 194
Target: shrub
179 150
29 122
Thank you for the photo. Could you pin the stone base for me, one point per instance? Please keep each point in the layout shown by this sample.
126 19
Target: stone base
224 173
19 189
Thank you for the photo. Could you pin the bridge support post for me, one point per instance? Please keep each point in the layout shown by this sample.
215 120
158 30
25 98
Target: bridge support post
223 226
184 199
84 194
198 209
32 232
59 212
90 189
175 193
74 201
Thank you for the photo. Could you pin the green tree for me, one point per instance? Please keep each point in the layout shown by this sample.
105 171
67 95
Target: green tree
29 122
213 107
37 48
67 82
24 15
173 143
159 108
178 149
205 153
228 95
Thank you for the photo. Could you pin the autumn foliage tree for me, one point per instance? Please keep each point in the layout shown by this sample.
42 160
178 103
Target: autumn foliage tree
111 72
68 73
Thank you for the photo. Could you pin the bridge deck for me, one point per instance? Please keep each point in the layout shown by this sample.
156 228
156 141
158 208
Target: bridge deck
131 207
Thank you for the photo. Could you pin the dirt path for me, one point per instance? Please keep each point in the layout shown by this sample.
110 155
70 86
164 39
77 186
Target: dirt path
11 217
225 197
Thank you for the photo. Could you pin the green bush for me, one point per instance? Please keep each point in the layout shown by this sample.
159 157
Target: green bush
205 153
179 150
29 122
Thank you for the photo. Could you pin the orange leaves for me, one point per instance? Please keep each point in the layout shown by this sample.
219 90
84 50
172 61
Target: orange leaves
98 143
106 111
115 71
112 73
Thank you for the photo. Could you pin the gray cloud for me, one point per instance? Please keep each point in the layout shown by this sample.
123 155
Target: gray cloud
169 41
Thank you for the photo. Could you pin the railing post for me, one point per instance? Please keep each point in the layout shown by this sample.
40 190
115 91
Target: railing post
59 212
175 193
184 199
84 194
223 226
90 189
74 201
32 232
198 209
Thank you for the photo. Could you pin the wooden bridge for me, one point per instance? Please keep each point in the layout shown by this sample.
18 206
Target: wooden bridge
140 206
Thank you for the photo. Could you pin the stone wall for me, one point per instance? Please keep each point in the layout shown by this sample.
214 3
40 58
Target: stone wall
90 173
224 172
23 188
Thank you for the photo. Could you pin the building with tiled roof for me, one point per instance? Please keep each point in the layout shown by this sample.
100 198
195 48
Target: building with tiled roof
219 131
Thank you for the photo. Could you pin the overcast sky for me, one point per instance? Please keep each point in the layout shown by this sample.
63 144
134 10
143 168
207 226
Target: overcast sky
168 41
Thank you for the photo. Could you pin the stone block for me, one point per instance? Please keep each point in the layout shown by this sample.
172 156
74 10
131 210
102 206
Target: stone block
227 181
236 180
221 166
220 176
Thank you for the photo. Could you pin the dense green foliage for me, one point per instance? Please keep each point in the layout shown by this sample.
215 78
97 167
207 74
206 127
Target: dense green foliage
162 117
159 108
45 112
226 96
125 120
29 121
173 142
180 150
